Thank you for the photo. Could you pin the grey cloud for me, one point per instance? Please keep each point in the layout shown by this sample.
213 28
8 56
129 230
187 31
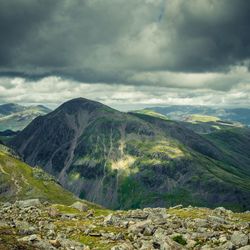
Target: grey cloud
114 41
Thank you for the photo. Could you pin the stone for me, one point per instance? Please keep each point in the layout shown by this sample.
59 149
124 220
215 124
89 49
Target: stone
80 206
55 243
53 212
146 245
111 220
148 231
200 222
177 207
28 203
216 219
239 239
139 227
245 248
125 246
33 237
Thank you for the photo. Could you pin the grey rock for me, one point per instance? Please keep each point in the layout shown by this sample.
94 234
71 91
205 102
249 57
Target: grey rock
216 219
200 222
28 203
124 246
239 239
245 248
111 220
80 206
139 227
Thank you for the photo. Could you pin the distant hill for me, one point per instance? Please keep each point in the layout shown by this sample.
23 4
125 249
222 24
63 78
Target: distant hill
201 124
16 117
131 160
182 113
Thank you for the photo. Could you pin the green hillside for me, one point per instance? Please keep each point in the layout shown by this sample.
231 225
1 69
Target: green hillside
19 181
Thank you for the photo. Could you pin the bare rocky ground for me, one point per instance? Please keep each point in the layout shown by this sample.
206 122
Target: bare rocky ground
31 224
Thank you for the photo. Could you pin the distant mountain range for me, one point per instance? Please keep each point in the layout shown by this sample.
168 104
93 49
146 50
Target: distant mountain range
183 113
16 117
199 123
131 160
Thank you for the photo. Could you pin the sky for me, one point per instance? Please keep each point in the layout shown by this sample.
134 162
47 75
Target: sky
125 53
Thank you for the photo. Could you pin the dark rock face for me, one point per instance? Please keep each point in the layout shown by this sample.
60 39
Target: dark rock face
129 160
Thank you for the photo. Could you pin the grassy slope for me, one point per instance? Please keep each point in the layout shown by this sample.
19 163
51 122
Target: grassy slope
20 181
151 113
235 145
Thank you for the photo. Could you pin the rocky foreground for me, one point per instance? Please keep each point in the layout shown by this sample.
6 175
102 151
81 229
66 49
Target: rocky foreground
31 224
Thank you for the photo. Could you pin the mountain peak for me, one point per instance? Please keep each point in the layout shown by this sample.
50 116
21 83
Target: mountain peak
80 103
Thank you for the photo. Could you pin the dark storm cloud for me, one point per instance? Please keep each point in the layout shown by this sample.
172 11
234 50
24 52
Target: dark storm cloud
115 40
209 35
19 21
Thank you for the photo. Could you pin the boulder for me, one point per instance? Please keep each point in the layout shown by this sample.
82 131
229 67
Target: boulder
80 206
200 222
111 220
239 239
245 248
216 219
28 203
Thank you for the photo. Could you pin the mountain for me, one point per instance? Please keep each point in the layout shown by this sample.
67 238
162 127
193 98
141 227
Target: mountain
182 113
16 117
131 160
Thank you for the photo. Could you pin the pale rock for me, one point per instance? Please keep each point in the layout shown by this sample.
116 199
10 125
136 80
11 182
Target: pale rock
245 248
28 203
80 206
239 239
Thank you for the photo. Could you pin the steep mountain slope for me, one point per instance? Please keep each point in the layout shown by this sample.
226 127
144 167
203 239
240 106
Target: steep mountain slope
16 117
125 160
19 181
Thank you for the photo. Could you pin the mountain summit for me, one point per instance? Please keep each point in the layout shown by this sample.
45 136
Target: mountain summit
123 160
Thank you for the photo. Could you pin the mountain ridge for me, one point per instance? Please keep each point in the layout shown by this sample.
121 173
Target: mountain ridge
122 160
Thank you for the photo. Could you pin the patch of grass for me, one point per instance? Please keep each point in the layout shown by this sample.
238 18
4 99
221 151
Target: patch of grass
193 213
151 113
244 217
179 239
203 118
66 209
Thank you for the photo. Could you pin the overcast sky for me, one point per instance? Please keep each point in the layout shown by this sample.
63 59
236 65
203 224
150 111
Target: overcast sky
125 53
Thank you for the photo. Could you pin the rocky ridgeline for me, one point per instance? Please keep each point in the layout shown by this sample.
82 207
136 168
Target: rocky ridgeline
31 224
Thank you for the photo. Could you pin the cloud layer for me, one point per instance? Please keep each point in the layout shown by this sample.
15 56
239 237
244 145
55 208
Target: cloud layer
194 46
55 90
